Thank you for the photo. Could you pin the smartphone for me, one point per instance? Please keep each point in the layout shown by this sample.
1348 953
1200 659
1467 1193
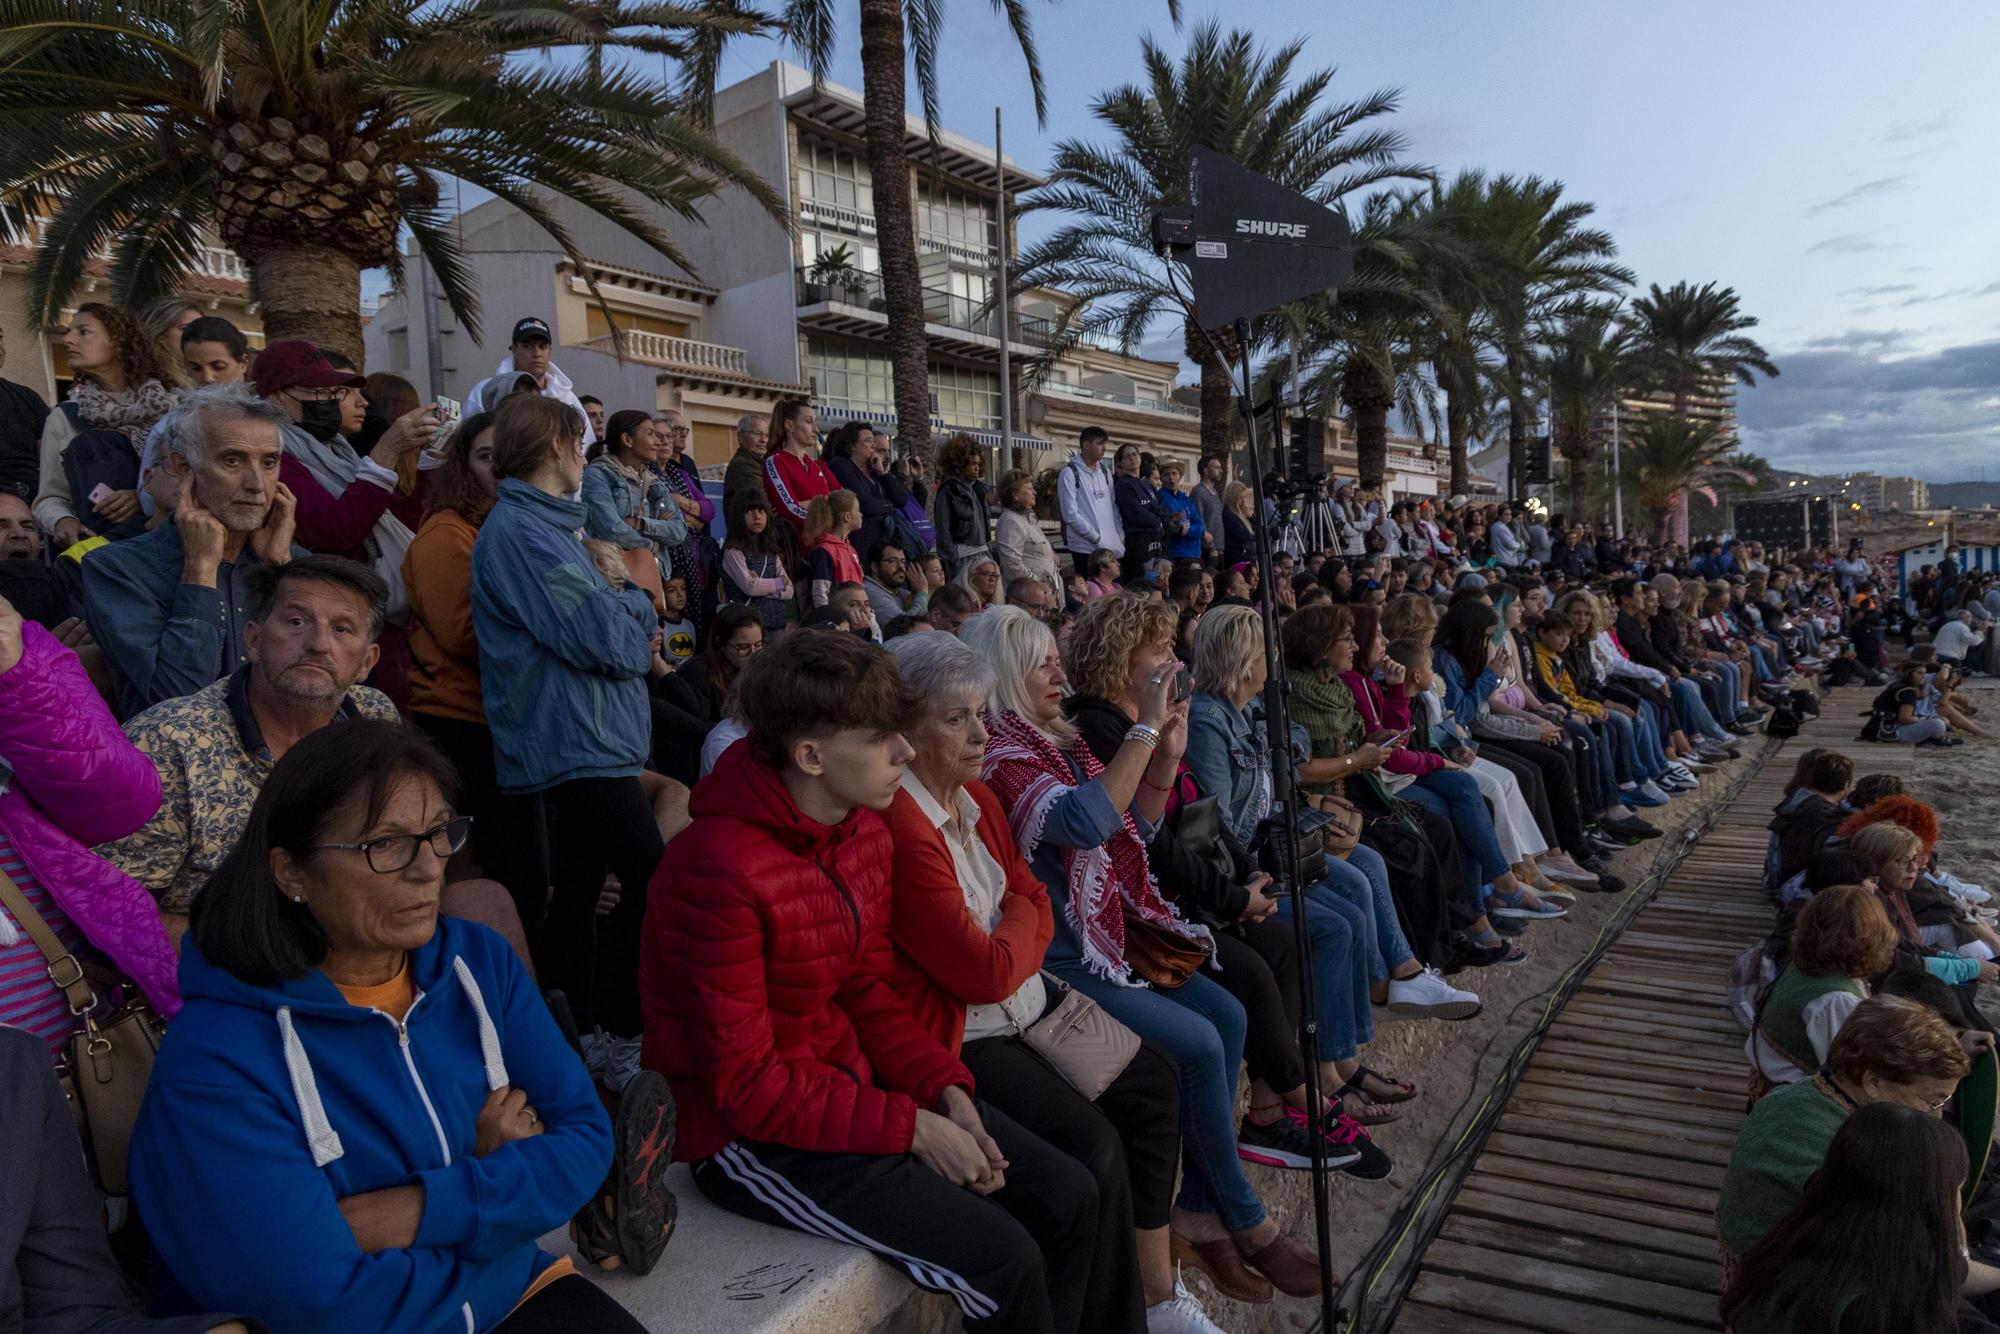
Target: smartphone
1399 739
449 411
98 495
1183 682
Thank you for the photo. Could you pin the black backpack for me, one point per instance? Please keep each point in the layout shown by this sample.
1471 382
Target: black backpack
1783 722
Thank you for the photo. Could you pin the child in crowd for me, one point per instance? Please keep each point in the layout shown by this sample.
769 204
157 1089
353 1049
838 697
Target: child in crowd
679 637
753 562
830 558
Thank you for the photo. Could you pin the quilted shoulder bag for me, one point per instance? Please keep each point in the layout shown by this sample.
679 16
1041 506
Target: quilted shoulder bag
105 1069
1087 1046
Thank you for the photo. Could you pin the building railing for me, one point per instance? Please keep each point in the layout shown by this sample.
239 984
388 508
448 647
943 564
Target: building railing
655 349
864 291
1124 400
841 218
211 261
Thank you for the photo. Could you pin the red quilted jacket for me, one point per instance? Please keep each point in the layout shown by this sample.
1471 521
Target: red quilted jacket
764 978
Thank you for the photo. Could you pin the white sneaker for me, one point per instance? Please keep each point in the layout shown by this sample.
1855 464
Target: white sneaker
1180 1314
1429 996
1678 770
1561 866
1651 789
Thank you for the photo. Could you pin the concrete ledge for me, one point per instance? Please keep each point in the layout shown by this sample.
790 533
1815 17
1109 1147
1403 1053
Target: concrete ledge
727 1275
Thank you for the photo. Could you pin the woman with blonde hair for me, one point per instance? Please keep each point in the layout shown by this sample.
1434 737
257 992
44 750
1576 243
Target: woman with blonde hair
1351 915
1077 822
1239 539
980 576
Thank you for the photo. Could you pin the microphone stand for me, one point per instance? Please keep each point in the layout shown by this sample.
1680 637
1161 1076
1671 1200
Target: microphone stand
1278 738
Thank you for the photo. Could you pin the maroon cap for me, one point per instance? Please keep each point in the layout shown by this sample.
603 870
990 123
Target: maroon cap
297 364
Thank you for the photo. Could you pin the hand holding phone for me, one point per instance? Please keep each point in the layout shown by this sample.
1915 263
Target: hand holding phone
1399 740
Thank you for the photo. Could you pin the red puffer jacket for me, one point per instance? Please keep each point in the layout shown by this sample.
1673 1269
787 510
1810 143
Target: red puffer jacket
764 978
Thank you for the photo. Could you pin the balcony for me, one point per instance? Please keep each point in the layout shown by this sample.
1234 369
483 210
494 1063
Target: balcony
858 305
1113 397
210 261
856 223
673 353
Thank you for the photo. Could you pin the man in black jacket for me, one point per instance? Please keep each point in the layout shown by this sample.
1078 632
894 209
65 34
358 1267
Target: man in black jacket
22 414
1718 690
1634 635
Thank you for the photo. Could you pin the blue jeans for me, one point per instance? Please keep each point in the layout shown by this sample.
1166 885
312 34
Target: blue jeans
1762 664
1621 739
1693 710
1732 687
1455 796
1652 754
1369 891
1340 938
1201 1026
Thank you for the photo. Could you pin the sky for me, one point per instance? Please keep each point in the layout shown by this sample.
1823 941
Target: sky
1832 162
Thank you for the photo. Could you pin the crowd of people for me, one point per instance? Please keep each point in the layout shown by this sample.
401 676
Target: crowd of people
1857 1198
482 808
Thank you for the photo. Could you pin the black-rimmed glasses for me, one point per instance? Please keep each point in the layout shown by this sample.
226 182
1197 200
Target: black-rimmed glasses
393 852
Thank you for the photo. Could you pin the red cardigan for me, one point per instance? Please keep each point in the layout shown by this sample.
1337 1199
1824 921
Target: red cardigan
944 960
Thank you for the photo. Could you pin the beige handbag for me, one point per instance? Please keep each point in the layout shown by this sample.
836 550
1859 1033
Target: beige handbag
1087 1047
104 1072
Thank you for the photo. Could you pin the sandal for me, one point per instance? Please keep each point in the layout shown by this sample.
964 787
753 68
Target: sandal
1403 1090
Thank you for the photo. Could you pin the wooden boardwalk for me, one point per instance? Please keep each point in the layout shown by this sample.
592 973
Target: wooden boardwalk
1590 1208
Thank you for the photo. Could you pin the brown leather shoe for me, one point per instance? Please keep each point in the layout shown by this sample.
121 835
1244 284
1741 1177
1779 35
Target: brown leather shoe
1224 1267
1292 1267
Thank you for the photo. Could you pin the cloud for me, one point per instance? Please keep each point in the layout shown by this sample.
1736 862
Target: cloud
1846 243
1866 190
1860 400
1901 131
1891 289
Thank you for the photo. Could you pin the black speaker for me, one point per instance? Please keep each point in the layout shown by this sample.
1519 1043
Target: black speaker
1537 468
1306 454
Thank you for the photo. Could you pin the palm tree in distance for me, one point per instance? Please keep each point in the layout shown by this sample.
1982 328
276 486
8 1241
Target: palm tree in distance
1665 457
1226 93
1546 263
309 134
1689 337
1589 369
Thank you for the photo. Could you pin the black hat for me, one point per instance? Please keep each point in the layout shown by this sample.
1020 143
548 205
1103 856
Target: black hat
530 330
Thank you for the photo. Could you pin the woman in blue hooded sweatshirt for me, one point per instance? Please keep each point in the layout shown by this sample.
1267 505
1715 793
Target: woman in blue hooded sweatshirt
364 1115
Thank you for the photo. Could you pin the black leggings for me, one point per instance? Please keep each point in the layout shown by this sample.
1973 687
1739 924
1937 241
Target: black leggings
1558 780
1129 1139
1255 964
599 824
570 1303
503 827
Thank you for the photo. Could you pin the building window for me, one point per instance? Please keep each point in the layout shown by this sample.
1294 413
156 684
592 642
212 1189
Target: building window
966 397
860 253
850 377
835 177
958 218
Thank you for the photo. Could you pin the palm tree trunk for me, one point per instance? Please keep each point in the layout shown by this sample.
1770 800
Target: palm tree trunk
1458 432
309 292
882 59
1369 397
1218 387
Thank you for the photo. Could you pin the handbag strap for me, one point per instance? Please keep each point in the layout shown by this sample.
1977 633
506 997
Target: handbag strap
64 968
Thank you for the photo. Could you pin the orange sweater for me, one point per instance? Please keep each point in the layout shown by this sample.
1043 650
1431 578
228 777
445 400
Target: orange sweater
444 651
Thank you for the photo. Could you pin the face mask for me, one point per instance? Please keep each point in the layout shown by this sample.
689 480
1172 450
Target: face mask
319 418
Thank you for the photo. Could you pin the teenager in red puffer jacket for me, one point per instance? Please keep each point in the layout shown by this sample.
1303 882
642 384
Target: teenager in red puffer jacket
809 1095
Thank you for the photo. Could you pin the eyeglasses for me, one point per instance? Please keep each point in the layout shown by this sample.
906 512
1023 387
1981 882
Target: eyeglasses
393 852
333 395
745 650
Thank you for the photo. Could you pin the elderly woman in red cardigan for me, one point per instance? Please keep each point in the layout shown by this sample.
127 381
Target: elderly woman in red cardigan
971 922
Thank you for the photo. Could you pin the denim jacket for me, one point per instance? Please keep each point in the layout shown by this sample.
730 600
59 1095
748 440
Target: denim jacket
610 498
1227 753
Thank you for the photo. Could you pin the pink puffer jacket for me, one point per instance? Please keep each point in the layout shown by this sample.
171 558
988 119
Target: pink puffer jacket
78 782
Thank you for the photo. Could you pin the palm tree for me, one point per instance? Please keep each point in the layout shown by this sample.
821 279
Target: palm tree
894 34
1461 352
1666 456
1226 93
1589 371
1689 337
309 132
1546 262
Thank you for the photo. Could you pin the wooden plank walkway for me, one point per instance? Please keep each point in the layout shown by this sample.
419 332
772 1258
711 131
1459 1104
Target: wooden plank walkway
1590 1208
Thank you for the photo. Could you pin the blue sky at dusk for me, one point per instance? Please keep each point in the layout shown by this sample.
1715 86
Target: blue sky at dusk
1832 162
